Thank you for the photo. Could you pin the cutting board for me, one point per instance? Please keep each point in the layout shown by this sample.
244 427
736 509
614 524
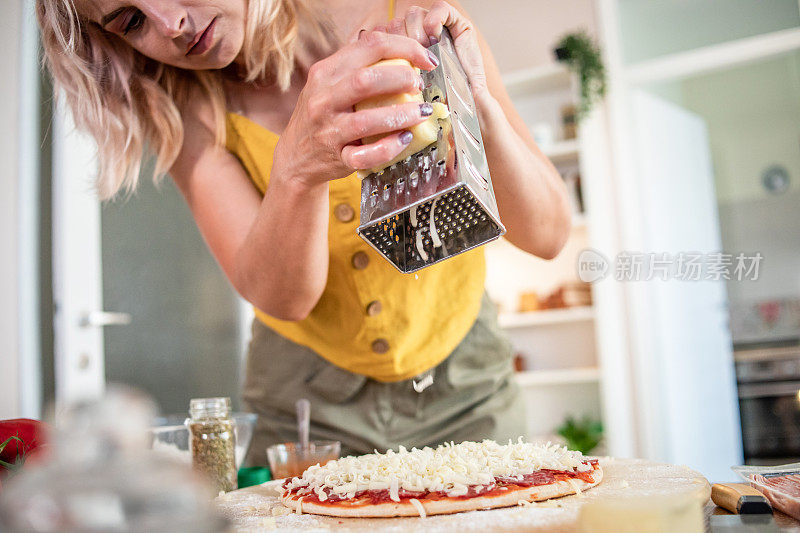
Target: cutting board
250 509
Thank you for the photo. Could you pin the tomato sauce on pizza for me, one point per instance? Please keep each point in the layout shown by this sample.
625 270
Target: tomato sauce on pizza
447 477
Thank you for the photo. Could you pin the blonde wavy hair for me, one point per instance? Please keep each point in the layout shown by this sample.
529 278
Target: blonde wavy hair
131 104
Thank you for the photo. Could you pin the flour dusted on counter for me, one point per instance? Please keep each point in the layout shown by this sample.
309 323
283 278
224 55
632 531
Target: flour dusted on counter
449 468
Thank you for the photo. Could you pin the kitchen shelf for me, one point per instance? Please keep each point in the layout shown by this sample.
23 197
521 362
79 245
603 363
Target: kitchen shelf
538 79
719 56
562 151
547 317
563 376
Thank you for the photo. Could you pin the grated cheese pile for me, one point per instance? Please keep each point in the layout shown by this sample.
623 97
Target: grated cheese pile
450 468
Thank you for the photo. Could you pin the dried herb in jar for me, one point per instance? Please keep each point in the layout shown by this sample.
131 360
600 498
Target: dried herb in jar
213 441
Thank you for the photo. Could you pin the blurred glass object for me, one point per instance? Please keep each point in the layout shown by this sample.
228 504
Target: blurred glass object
102 477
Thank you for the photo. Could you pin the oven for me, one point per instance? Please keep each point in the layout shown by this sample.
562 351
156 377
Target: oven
768 380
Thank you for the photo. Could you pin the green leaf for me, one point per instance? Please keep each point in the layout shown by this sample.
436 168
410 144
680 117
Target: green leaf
581 435
581 55
8 441
4 464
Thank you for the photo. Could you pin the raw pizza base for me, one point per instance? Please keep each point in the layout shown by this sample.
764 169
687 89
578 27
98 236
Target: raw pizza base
448 506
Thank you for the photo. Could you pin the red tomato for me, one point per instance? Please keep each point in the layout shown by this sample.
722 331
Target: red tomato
32 433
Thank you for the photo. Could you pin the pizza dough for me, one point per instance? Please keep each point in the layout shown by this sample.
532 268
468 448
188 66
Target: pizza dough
448 479
448 506
258 509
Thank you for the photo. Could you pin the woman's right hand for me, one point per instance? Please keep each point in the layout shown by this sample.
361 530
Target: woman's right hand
321 142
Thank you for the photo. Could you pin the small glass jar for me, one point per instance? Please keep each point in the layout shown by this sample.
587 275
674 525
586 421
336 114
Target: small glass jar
213 442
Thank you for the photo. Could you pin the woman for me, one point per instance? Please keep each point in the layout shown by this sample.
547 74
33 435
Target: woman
248 104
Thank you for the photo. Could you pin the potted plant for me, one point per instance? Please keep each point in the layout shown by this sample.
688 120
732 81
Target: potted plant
582 56
582 435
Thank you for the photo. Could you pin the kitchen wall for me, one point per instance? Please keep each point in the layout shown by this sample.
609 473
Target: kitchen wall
10 33
522 33
771 226
753 118
653 28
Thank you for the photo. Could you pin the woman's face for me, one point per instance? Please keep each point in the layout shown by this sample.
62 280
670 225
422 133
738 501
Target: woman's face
189 34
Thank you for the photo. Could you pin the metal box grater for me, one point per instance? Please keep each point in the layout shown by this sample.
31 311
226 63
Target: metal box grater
438 202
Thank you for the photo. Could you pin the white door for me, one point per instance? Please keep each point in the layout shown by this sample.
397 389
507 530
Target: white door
139 299
686 383
78 344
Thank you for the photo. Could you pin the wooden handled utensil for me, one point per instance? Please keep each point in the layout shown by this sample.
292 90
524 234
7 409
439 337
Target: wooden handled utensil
740 498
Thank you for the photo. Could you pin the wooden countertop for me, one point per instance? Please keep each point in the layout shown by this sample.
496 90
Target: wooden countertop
251 509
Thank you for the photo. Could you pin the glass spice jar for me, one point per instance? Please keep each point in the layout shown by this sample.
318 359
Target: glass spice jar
213 442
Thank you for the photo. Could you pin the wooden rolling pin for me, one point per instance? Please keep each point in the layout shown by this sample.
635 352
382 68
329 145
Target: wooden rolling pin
739 498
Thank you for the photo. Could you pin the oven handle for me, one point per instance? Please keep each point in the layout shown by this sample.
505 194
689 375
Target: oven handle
767 390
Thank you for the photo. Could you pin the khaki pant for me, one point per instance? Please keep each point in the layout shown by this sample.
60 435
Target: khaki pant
472 396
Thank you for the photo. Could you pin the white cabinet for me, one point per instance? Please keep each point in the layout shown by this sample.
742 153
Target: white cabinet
561 376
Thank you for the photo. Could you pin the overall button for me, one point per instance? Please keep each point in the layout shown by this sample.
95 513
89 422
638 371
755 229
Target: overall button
374 307
360 260
380 346
344 213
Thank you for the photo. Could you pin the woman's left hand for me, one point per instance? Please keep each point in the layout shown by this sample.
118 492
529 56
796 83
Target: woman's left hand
425 26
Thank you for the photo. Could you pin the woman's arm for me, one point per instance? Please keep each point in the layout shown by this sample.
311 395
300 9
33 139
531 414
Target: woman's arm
531 196
275 250
275 262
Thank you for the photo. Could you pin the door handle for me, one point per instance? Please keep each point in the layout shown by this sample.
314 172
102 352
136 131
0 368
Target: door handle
768 390
99 319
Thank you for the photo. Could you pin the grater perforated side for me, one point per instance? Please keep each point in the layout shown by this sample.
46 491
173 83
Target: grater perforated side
439 202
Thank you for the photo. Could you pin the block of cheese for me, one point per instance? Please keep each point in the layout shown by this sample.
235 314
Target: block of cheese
643 514
424 133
